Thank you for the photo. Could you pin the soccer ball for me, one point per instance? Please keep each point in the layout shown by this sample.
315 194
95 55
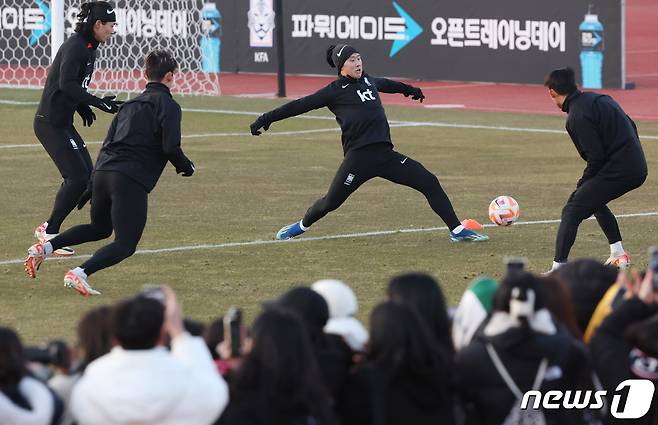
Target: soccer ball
504 211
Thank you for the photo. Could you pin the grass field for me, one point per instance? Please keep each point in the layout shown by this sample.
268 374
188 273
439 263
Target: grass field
224 218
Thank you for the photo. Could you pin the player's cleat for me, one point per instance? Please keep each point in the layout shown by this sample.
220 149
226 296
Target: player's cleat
77 282
622 262
468 235
42 236
40 232
35 256
288 232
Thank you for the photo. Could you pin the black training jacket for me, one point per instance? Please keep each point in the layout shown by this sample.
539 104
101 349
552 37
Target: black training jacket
144 135
356 105
67 81
604 136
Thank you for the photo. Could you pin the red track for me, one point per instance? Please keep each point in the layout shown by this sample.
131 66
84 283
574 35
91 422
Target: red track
639 103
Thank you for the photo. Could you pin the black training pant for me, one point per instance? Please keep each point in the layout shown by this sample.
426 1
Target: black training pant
69 153
591 198
118 203
380 160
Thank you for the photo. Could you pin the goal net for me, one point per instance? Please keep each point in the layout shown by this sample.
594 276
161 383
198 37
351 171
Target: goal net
189 29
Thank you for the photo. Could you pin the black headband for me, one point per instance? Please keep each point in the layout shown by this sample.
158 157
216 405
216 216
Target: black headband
101 11
340 54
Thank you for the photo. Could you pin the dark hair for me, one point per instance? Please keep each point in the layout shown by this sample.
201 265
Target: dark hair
281 370
158 63
94 335
400 342
213 335
560 304
136 322
194 327
563 81
587 280
87 17
644 335
310 306
12 358
60 354
422 293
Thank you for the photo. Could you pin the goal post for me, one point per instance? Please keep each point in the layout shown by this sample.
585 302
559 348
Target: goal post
33 30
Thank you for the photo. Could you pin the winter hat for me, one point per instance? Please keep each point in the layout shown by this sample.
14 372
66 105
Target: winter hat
519 301
339 297
337 55
342 306
473 308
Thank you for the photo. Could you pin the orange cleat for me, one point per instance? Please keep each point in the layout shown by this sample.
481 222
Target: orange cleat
35 256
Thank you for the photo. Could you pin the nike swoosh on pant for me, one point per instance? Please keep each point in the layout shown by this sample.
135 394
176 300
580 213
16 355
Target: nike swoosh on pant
403 161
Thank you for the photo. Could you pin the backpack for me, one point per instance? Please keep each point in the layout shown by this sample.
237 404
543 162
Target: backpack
516 415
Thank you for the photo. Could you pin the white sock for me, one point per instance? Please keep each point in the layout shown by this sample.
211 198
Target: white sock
557 265
301 225
458 229
80 272
616 249
47 248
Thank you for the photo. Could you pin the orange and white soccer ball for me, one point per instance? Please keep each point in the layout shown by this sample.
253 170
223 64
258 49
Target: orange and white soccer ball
504 211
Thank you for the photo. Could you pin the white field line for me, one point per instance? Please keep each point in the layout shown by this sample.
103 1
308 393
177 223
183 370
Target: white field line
311 239
201 135
316 117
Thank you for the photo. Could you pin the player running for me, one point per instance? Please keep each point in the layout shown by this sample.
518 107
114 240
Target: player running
143 136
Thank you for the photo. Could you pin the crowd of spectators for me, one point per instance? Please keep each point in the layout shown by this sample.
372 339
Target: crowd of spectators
307 360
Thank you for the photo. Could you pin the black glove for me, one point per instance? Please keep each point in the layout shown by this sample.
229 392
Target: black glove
86 195
187 171
86 114
416 94
256 125
108 104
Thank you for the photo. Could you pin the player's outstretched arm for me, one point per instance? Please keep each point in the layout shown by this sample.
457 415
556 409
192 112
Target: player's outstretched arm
385 85
300 106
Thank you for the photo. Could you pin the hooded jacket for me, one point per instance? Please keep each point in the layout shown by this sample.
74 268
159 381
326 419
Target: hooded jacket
151 386
486 397
604 136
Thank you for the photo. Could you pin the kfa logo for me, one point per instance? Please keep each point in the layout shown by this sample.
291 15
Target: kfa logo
85 82
260 57
366 95
630 400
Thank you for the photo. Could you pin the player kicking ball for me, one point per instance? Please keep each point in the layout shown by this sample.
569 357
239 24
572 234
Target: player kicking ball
366 137
143 136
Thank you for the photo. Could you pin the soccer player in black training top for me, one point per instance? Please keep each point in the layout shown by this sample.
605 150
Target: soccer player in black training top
64 94
143 136
354 99
607 139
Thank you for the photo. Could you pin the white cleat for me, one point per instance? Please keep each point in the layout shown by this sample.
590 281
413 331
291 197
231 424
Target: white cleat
74 281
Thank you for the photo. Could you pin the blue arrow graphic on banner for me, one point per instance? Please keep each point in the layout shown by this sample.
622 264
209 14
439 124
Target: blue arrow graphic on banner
36 34
412 31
